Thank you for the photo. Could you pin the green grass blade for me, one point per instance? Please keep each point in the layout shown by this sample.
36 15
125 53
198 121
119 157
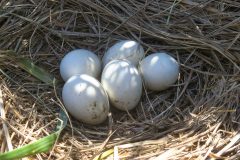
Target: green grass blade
34 70
62 123
42 145
27 65
104 155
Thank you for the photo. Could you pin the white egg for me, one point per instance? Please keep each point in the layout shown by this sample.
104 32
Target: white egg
122 83
159 71
126 49
80 61
85 99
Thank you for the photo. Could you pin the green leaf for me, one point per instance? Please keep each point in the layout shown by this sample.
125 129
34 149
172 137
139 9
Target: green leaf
42 145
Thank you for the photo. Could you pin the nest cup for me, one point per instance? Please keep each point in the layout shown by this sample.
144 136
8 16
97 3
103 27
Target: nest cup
196 118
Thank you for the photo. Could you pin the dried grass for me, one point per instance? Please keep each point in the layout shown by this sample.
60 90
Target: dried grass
196 119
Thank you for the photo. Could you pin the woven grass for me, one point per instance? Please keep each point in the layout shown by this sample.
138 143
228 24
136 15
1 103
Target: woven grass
198 118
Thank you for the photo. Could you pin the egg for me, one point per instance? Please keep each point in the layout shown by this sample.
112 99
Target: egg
85 99
159 71
80 61
123 84
126 49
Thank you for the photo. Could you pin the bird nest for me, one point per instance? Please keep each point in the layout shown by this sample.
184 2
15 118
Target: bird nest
198 118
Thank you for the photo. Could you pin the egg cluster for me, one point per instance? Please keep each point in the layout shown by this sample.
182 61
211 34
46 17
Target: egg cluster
91 86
